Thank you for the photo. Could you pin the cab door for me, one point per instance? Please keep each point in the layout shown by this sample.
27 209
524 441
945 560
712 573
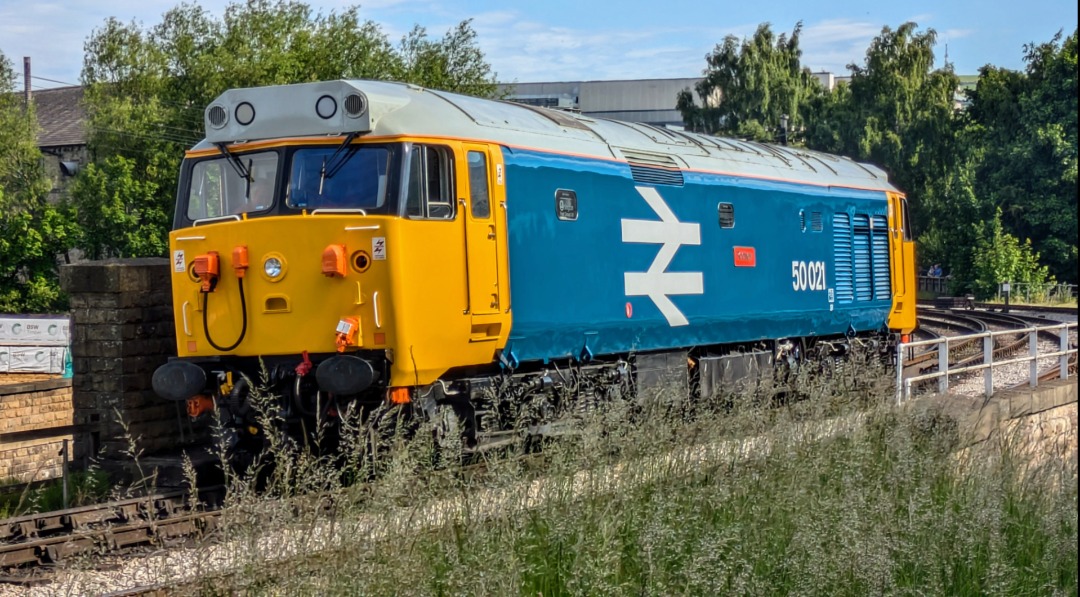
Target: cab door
482 207
902 317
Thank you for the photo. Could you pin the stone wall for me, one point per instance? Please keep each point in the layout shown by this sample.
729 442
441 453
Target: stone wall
122 330
28 406
1040 422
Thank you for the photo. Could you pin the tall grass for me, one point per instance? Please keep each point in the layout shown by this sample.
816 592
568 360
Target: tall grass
835 493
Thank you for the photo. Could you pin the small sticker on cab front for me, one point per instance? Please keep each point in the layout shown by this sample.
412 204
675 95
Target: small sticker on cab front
179 262
378 248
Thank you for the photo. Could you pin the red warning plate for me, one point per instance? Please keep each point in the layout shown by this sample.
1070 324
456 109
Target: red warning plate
745 257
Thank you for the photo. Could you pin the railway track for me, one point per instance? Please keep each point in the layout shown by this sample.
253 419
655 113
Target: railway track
937 322
35 541
1026 308
47 538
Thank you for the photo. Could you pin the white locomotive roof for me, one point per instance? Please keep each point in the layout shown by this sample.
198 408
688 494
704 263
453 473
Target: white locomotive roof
389 109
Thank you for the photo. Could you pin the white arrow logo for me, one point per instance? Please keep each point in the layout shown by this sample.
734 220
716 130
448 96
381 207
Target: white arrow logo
658 283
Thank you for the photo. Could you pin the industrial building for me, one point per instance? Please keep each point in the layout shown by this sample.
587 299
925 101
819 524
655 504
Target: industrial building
651 101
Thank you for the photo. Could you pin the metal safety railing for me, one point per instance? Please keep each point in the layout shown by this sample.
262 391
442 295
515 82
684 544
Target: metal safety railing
988 364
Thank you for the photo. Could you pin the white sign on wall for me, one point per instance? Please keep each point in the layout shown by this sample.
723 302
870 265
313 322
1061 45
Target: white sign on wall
33 343
32 359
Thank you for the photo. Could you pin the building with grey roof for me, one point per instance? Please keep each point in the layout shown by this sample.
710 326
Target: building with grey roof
61 133
649 101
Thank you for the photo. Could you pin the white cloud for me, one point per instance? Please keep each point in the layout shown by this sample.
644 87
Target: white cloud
955 34
832 44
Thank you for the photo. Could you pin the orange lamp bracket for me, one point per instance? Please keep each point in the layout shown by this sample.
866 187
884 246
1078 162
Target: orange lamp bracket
199 404
348 329
207 269
240 260
333 261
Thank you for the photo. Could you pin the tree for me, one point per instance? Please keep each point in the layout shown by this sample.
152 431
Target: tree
899 113
146 90
1025 126
750 85
451 64
32 231
1000 257
117 211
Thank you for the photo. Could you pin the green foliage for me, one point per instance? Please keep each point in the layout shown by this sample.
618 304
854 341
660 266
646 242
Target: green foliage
118 211
1013 149
84 489
749 85
32 231
1025 125
999 257
146 89
897 112
840 494
451 64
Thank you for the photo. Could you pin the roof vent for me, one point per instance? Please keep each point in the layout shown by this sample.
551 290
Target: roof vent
653 168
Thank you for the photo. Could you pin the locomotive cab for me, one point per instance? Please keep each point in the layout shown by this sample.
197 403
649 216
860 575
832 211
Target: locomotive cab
326 264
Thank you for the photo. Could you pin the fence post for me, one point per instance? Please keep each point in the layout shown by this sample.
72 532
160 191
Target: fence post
899 373
988 360
1033 352
943 367
1063 345
64 472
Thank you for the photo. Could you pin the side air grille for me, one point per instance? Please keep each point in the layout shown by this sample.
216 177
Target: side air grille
879 242
864 281
842 256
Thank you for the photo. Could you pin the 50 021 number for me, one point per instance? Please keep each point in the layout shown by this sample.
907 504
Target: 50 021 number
808 275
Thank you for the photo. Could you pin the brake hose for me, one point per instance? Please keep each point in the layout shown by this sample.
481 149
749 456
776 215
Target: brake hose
243 311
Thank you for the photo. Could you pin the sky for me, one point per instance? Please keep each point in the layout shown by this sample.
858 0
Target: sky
591 40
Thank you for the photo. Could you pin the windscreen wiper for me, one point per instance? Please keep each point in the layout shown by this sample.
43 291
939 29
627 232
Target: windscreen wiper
334 168
237 164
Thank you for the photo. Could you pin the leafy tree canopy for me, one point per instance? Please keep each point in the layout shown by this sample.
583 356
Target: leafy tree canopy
32 231
1024 125
897 112
146 89
749 85
992 186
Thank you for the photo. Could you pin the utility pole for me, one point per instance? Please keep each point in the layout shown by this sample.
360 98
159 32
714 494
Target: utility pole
26 82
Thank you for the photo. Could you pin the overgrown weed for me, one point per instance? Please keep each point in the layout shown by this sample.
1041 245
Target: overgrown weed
817 485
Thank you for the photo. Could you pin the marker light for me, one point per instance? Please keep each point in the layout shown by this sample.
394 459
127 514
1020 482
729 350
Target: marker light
272 267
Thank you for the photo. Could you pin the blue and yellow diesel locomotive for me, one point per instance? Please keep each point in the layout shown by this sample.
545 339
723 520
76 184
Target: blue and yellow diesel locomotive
382 243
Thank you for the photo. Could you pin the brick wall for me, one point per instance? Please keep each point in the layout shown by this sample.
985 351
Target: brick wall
121 331
26 407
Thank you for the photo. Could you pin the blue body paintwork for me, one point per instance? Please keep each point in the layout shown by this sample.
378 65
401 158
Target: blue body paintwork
568 297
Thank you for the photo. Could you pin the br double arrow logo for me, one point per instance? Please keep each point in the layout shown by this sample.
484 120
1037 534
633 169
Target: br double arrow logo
657 283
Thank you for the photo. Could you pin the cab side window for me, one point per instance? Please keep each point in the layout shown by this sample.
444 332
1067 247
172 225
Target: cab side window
478 186
429 185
